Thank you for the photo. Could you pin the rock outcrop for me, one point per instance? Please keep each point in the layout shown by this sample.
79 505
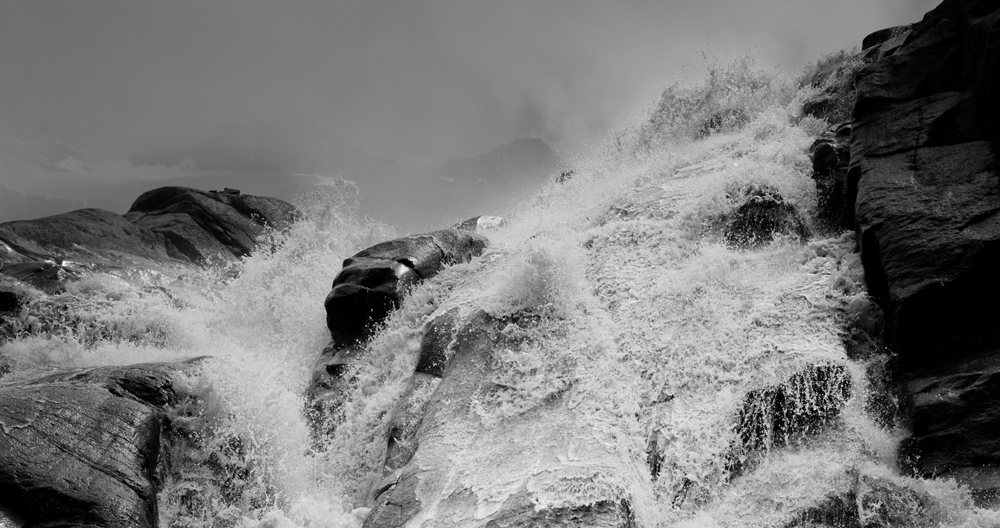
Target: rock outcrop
170 226
81 447
924 157
200 227
373 283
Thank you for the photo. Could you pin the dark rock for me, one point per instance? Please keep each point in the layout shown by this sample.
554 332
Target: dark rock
762 214
372 284
9 301
87 235
363 295
202 227
831 156
169 226
374 281
925 169
81 447
783 414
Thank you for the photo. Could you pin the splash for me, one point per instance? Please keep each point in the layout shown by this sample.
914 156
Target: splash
716 379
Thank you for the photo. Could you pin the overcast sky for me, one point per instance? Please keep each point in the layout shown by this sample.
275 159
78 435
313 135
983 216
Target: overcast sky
414 80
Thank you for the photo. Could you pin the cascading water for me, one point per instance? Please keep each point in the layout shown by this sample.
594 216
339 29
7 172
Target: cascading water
712 383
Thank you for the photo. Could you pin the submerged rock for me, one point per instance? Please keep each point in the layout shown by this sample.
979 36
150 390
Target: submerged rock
782 414
762 214
82 446
924 150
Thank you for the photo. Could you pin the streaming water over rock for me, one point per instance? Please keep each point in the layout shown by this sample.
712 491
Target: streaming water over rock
613 358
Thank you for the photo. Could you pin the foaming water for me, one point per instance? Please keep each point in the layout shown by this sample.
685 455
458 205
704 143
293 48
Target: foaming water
666 345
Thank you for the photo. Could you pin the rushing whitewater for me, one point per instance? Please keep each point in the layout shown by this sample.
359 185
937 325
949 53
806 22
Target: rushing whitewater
659 337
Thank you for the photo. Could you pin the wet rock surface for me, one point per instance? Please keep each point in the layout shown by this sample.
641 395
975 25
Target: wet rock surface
775 416
870 502
200 227
81 447
762 214
373 283
831 156
170 226
86 235
449 446
924 156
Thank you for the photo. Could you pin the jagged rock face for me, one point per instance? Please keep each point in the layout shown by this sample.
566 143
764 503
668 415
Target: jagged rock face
200 226
81 447
441 461
924 153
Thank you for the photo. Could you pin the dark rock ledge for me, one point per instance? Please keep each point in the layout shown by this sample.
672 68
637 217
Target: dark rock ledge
166 227
82 447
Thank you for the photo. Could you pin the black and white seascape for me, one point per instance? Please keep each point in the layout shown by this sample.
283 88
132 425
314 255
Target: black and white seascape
430 264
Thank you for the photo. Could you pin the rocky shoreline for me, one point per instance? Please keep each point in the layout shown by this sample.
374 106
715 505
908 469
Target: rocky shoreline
913 171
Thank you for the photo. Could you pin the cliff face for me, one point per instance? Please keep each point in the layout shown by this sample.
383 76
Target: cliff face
924 165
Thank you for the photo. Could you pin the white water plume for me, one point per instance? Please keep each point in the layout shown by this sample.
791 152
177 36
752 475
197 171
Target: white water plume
655 331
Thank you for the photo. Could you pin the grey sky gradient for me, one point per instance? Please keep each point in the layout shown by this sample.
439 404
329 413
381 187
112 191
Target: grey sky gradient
413 80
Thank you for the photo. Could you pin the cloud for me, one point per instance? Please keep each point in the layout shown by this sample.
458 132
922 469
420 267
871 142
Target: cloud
414 80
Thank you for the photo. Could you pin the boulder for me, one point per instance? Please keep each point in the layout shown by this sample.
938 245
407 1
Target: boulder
372 284
923 162
204 227
761 215
81 447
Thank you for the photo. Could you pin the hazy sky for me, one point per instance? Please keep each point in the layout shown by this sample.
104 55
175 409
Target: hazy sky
415 80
